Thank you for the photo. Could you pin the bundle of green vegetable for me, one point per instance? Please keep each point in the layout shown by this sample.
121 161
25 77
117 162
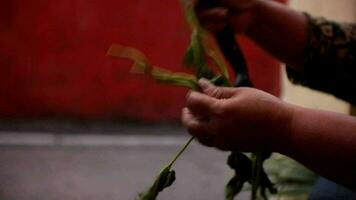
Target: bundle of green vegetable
201 55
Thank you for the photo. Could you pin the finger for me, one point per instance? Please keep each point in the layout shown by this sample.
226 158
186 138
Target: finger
197 128
201 104
193 124
216 92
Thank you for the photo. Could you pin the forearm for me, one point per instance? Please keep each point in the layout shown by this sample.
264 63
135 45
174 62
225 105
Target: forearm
325 142
280 30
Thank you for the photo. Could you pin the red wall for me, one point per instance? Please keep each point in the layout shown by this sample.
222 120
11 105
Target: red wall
53 62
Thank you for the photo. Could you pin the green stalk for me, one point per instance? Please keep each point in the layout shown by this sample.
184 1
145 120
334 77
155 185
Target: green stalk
165 178
257 168
181 151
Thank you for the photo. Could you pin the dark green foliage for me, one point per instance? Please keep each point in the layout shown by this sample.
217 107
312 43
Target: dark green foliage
241 165
244 169
260 181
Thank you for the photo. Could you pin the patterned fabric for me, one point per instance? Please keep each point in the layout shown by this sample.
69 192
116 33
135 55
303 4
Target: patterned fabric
330 61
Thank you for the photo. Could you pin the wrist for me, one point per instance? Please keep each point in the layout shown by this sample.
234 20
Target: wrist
284 132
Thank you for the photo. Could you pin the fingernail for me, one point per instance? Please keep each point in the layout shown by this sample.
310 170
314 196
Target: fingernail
204 83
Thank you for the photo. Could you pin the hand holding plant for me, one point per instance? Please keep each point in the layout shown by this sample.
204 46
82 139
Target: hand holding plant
237 119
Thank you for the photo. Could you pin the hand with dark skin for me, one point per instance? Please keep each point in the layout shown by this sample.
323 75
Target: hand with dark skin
246 119
215 115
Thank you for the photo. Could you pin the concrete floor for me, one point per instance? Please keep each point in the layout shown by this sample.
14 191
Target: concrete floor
105 166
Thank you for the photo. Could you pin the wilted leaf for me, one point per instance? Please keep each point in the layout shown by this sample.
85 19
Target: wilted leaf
121 51
142 65
213 51
195 57
202 46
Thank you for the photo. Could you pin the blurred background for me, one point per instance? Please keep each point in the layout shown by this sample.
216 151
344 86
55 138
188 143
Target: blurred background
74 124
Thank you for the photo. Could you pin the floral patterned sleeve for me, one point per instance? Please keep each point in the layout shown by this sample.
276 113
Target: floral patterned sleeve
330 61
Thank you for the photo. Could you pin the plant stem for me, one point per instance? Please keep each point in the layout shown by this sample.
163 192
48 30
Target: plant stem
181 151
256 173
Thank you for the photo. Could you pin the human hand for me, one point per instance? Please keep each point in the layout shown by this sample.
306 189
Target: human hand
237 13
243 119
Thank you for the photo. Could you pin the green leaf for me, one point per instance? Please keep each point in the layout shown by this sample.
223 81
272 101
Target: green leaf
202 46
190 17
195 57
260 181
142 66
241 165
292 178
256 174
165 179
213 52
233 187
243 168
177 79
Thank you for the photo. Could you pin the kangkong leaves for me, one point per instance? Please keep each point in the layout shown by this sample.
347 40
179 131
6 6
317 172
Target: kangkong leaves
195 57
202 47
142 66
241 165
247 170
165 179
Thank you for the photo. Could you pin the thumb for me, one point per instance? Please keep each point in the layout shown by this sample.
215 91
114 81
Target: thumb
201 105
217 92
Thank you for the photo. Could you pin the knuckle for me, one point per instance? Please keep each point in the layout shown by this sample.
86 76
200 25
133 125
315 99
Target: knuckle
213 91
219 93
